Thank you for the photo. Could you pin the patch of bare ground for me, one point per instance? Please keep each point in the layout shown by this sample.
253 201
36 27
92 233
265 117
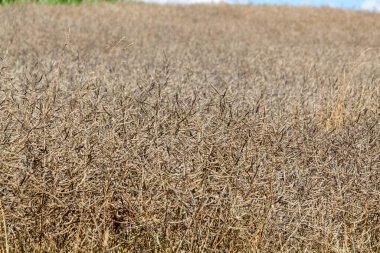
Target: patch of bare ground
141 128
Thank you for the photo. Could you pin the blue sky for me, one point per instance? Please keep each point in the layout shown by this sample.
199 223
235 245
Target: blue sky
369 5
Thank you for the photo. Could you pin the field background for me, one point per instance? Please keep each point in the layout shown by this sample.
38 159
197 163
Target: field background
141 128
364 5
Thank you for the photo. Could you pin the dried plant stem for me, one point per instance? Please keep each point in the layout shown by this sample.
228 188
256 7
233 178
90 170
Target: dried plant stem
5 229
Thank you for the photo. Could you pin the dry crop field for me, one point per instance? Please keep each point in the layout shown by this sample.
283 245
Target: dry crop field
142 128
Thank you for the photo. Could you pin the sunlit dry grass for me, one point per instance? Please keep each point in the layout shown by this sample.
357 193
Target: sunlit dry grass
138 128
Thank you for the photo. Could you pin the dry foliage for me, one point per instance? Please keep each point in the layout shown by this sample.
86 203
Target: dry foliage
141 128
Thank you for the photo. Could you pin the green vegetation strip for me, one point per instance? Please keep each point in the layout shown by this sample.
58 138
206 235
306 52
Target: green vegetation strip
5 2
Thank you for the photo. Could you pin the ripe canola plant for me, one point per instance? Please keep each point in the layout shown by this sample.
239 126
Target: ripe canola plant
148 128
